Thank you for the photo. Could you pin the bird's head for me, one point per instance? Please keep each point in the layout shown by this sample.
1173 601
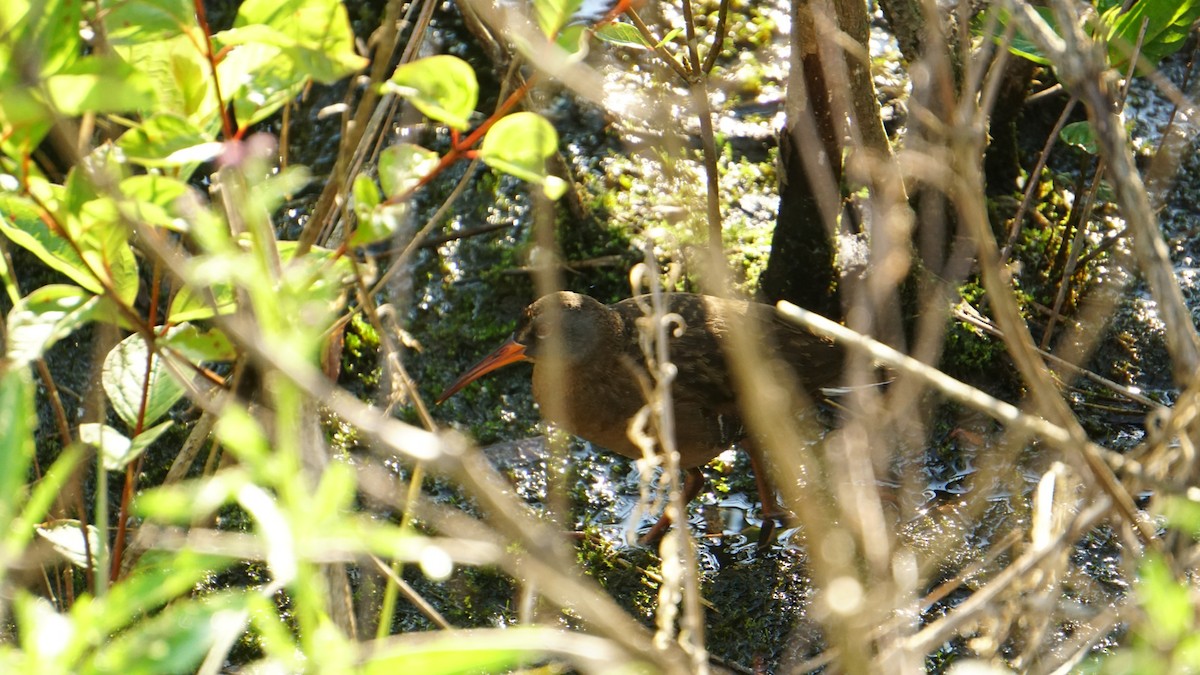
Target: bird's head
564 322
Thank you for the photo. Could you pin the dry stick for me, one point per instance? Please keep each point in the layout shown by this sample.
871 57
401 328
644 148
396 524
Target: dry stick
944 628
699 92
1088 636
411 594
977 320
722 29
680 69
586 653
1005 413
692 627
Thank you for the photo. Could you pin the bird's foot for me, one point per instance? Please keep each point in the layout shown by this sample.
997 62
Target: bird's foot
772 520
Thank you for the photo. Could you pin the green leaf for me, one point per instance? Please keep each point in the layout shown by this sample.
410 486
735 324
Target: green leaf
66 537
99 84
200 346
154 199
157 579
1021 44
47 29
142 21
193 500
21 223
45 493
117 451
552 15
45 634
262 80
103 239
402 166
277 47
1168 24
44 317
450 656
366 194
519 144
1167 602
623 35
18 418
173 641
314 34
190 305
167 140
181 77
379 224
113 445
443 87
1080 135
125 374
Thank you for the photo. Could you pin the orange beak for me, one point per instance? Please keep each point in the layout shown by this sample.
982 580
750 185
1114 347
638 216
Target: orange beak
509 352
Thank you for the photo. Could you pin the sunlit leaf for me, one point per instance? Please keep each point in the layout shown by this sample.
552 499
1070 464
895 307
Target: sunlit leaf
366 193
18 418
181 77
443 87
66 537
157 579
125 375
173 641
45 634
103 239
379 224
1167 601
447 656
191 500
191 305
623 35
314 34
44 317
117 451
154 200
519 144
113 445
1168 23
166 139
552 15
141 21
402 166
99 84
22 224
200 345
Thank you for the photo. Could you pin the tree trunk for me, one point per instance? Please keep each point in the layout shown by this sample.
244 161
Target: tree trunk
801 268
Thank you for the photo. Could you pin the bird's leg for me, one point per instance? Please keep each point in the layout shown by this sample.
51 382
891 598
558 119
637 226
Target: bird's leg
693 482
772 513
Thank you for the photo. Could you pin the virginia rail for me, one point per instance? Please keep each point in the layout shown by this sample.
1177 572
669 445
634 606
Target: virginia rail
599 384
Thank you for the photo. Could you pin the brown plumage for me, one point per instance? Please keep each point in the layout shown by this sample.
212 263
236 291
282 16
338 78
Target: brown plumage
598 384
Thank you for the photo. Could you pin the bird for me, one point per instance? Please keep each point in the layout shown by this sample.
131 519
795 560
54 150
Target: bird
590 376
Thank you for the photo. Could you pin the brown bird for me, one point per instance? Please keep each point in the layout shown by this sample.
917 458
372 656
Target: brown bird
600 381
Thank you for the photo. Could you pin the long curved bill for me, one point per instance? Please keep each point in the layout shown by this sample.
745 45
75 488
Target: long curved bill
509 352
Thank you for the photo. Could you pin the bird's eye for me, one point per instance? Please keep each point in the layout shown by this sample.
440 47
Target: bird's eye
541 331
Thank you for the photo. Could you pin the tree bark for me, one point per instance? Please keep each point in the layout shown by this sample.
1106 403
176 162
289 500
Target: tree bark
801 268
